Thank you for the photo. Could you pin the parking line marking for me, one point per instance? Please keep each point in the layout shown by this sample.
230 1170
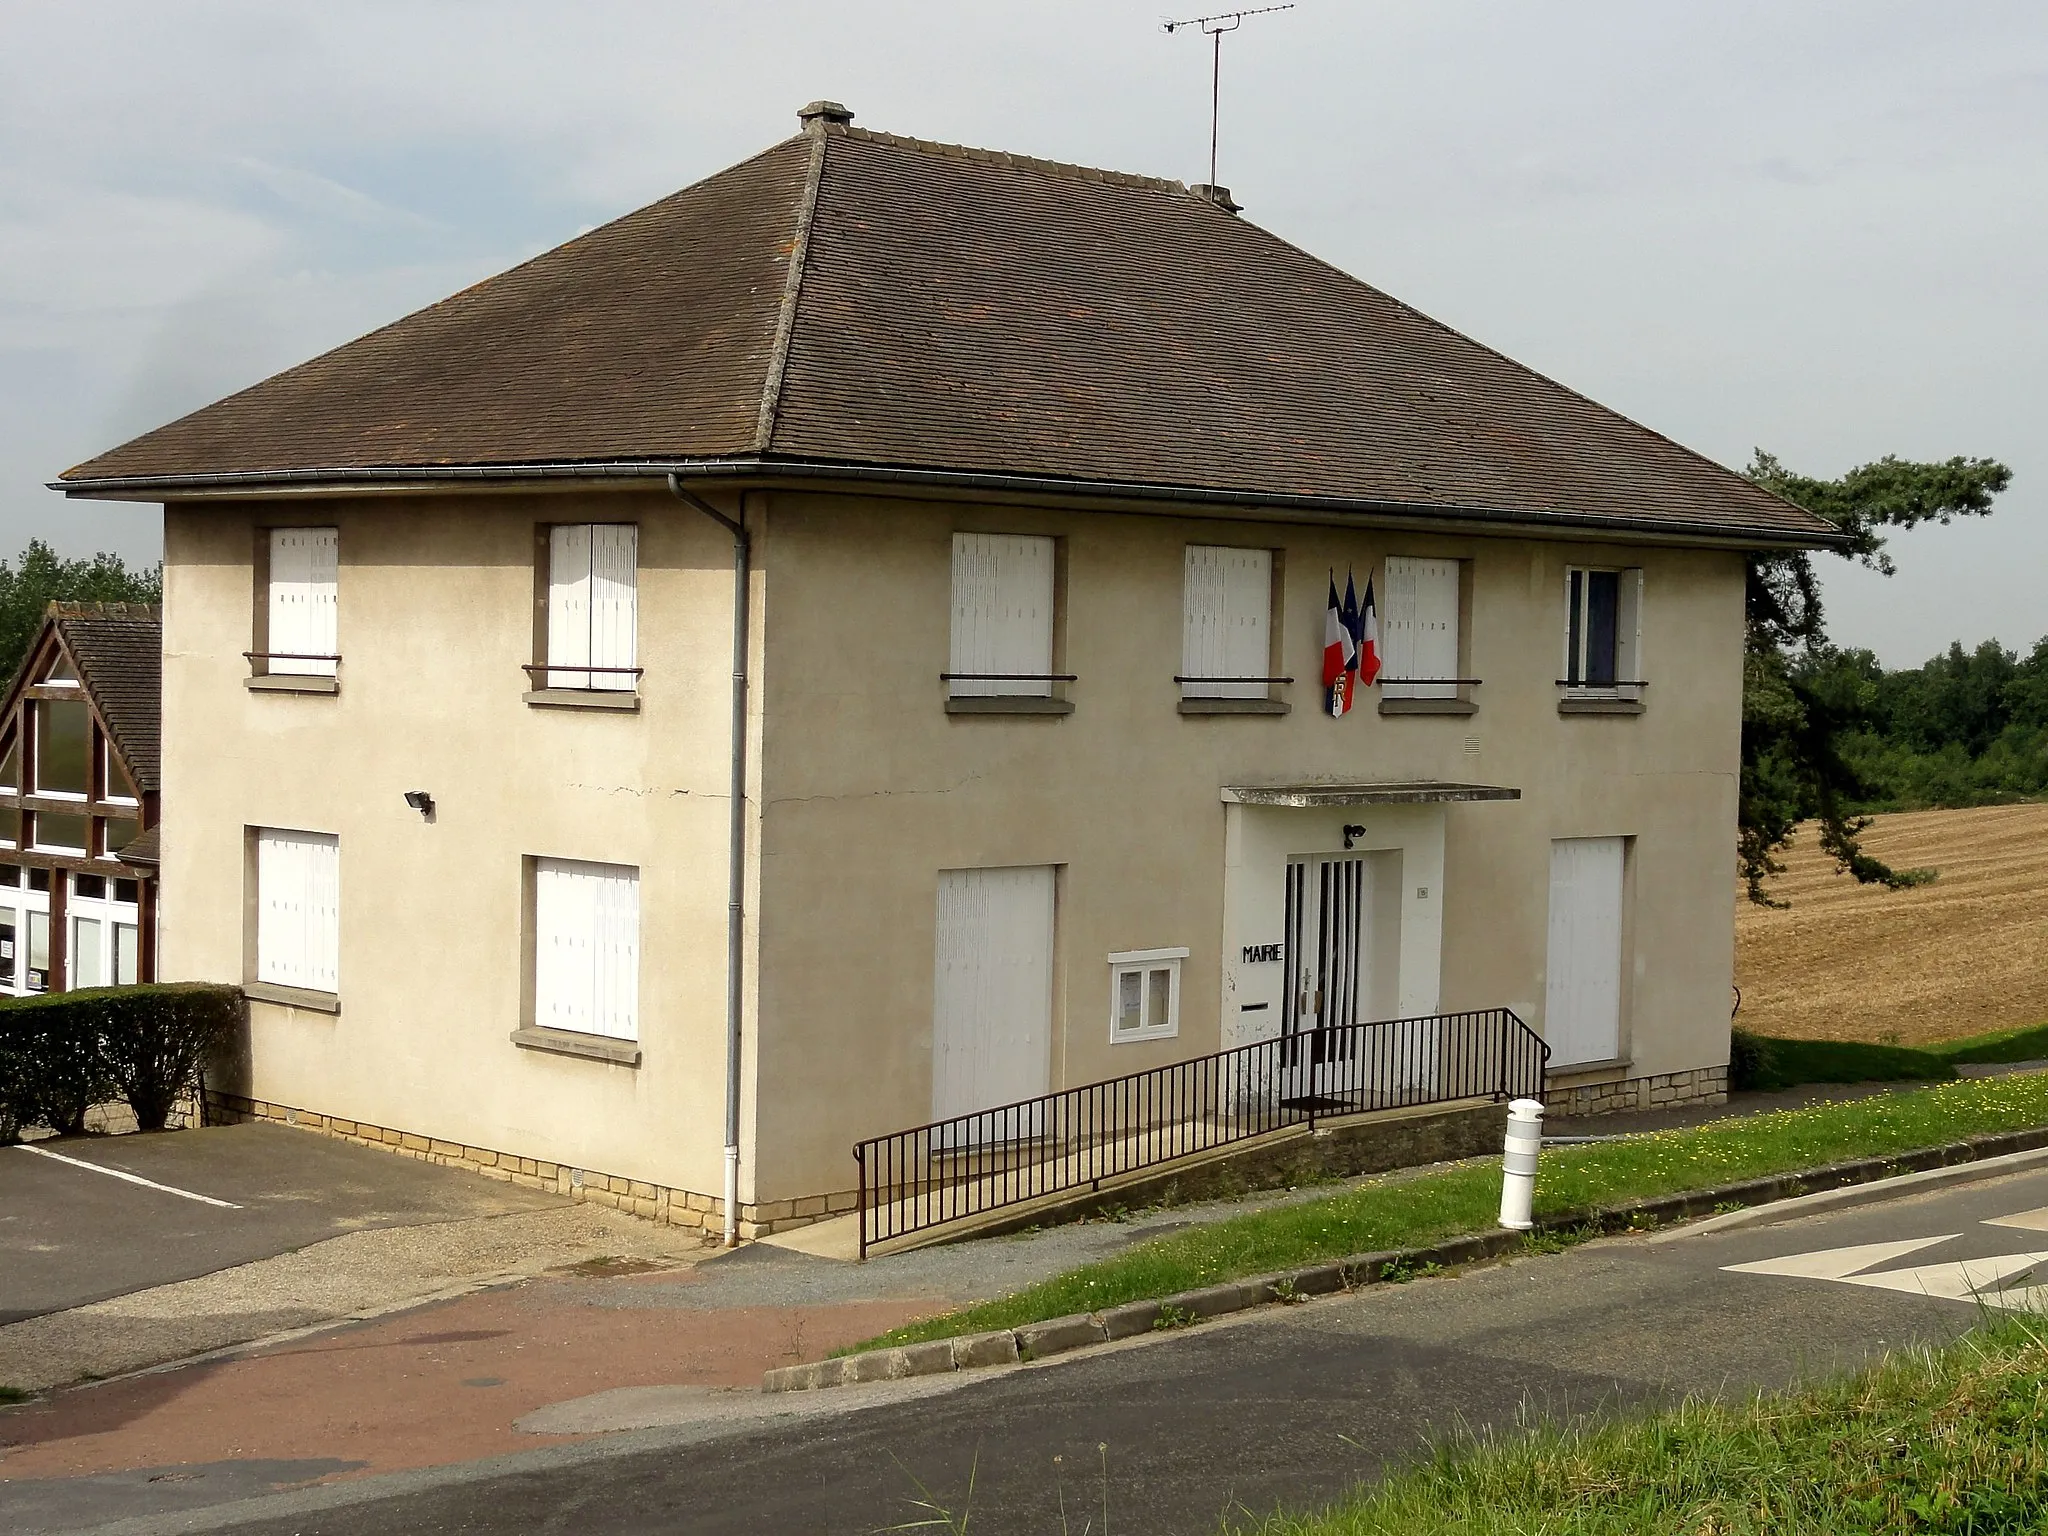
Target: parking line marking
132 1178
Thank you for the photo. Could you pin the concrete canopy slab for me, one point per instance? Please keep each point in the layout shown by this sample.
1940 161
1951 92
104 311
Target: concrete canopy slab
1312 796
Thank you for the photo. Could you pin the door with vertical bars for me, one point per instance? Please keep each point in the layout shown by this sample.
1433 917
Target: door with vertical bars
1328 960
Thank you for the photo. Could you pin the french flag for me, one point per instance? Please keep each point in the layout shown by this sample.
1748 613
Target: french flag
1340 653
1368 638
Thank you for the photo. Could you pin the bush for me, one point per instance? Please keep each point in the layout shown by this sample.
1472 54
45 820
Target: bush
1751 1063
62 1053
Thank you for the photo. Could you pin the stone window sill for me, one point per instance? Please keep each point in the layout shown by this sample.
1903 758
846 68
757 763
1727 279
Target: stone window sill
292 997
1013 704
288 682
578 698
566 1042
1584 706
1234 706
1428 707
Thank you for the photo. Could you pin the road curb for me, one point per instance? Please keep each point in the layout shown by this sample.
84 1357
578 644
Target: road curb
1779 1197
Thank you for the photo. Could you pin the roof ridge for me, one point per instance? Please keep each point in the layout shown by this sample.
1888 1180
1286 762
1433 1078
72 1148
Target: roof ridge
140 613
792 291
1005 157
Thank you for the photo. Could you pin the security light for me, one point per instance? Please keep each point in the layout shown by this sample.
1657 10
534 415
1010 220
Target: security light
1350 833
420 801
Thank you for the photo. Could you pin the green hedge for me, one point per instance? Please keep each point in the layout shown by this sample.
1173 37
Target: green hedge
64 1052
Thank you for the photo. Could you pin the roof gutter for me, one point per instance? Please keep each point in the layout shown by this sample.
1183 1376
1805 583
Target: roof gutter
153 487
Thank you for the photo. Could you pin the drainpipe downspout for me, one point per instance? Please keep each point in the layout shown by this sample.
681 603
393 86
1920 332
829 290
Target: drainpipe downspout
736 875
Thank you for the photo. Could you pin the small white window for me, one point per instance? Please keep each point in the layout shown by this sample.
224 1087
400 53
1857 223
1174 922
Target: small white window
115 785
586 948
593 602
1419 630
303 639
1603 642
298 909
1002 616
1144 994
1226 622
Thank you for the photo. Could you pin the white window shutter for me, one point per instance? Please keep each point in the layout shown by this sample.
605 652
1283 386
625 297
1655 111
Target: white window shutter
1436 628
569 605
302 605
1202 644
1247 619
1628 628
1397 629
1002 614
586 949
614 562
298 914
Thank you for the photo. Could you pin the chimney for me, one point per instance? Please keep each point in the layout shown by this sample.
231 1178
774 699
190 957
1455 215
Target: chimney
820 114
1220 196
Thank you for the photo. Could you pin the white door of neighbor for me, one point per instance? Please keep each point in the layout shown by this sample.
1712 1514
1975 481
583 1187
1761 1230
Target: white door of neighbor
1582 1005
992 991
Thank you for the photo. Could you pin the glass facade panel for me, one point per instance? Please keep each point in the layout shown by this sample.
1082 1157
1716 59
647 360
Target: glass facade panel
10 825
1158 998
88 952
63 731
10 769
61 833
127 950
38 951
120 832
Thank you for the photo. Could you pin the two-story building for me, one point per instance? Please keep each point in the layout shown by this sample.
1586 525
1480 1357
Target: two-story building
1036 479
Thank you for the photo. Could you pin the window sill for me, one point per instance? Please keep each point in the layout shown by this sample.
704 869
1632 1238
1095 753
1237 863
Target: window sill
1010 704
1591 706
1234 706
1428 707
578 698
1141 1037
564 1042
291 682
292 997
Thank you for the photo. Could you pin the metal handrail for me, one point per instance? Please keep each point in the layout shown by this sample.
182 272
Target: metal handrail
575 666
1008 677
929 1175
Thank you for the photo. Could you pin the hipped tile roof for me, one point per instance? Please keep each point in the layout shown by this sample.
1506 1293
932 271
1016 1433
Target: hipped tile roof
856 298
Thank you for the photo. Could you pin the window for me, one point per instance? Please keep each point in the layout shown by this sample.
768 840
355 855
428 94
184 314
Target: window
115 784
592 607
298 909
59 833
1603 630
1144 994
105 932
1226 623
10 771
63 729
304 638
1419 630
586 948
1002 616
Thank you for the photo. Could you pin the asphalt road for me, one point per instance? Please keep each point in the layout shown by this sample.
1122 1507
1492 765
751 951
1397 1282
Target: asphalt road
1282 1407
70 1236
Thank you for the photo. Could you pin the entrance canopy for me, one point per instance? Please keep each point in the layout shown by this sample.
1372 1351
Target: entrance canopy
1412 792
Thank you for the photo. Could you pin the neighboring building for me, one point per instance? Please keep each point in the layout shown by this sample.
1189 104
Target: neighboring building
78 802
1046 472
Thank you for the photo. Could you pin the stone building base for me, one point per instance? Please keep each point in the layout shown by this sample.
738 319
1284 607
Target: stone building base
636 1197
1702 1085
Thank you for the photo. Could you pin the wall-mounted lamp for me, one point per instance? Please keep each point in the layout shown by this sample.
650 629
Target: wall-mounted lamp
423 802
1351 833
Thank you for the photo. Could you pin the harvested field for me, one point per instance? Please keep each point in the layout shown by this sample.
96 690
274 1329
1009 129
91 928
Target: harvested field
1962 956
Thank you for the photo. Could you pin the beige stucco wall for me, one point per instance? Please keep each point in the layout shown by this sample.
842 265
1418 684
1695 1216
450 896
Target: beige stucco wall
864 789
870 788
436 598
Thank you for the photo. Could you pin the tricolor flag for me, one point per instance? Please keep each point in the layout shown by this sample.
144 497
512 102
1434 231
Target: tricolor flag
1340 654
1369 639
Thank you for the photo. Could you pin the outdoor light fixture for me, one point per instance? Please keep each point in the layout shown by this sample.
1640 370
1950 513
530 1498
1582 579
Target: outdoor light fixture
1350 832
423 802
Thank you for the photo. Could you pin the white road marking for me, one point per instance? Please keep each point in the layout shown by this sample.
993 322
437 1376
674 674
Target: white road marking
132 1178
1961 1280
2031 1221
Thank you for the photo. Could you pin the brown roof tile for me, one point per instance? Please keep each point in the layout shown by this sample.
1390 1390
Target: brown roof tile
119 650
962 311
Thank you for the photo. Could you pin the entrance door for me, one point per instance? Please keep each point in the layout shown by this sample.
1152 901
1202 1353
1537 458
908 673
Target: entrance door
1582 1002
992 994
1328 960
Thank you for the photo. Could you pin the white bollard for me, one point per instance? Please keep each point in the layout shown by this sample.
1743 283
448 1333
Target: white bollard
1518 1164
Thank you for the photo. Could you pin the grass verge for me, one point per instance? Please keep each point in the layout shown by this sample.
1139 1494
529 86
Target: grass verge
1942 1440
1417 1211
2002 1045
1768 1062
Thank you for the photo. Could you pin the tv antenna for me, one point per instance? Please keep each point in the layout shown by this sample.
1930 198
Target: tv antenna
1214 27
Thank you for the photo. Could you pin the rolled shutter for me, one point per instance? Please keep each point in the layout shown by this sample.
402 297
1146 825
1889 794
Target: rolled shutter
304 565
298 917
1002 615
587 947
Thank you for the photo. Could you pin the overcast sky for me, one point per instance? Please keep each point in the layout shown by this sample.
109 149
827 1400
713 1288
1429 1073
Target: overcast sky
1814 227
